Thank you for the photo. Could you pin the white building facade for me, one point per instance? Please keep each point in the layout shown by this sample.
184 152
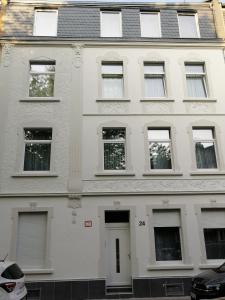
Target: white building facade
112 177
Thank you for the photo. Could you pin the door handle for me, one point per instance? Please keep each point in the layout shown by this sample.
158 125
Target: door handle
128 255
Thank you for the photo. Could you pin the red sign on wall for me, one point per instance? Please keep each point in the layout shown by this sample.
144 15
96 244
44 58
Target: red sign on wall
88 223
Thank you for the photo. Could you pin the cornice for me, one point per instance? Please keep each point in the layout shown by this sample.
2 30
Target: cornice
122 43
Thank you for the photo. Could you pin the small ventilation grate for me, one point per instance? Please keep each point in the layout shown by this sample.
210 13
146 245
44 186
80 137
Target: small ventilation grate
174 289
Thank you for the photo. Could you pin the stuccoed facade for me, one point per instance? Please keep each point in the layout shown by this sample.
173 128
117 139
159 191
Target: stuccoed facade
77 193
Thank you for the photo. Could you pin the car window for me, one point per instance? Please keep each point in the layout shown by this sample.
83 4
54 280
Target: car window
12 272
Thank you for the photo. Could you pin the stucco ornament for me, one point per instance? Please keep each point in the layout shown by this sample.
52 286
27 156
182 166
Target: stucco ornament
154 186
7 49
77 48
74 203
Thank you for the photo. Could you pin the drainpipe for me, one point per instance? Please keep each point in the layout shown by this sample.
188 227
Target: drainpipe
218 19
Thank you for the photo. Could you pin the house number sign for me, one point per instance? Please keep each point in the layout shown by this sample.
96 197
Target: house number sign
141 223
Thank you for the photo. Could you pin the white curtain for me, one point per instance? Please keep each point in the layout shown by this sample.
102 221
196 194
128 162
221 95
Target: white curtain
196 88
154 87
112 88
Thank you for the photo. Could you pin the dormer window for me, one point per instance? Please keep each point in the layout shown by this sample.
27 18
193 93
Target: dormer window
45 22
188 25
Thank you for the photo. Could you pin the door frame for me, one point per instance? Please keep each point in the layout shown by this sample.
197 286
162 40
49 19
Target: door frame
102 262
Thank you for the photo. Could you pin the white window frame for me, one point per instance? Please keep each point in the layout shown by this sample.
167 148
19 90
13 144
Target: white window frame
196 23
111 76
102 23
201 75
155 75
52 62
35 29
213 140
161 141
15 217
115 141
159 24
25 141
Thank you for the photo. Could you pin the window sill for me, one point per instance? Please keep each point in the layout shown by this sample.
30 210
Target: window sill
40 99
200 173
205 100
112 100
37 271
163 173
210 266
156 100
170 267
35 174
119 173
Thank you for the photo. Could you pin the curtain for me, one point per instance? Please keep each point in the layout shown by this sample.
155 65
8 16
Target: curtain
167 243
205 155
160 156
154 87
114 156
37 157
196 87
112 88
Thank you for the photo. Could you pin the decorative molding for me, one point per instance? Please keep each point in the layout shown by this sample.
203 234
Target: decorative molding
74 203
154 186
7 49
77 48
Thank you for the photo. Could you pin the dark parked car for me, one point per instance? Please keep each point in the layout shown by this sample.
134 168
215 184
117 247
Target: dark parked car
209 284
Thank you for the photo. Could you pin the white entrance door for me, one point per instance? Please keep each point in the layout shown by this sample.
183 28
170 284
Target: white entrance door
118 254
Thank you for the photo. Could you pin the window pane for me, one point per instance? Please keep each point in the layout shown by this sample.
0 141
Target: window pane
160 156
37 157
38 134
42 68
153 68
113 133
114 156
187 26
150 26
215 243
194 68
45 23
154 87
202 134
167 243
205 155
112 88
196 87
158 134
112 69
41 85
110 24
